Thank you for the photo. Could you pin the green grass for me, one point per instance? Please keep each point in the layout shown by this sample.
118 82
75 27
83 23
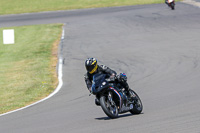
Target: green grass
28 67
24 6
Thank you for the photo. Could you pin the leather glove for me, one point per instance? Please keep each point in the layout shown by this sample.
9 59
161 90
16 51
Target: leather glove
123 77
112 77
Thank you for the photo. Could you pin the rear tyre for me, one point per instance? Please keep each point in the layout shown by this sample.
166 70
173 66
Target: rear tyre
137 106
109 107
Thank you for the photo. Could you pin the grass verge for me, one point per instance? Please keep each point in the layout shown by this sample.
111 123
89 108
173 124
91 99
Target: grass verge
28 6
28 67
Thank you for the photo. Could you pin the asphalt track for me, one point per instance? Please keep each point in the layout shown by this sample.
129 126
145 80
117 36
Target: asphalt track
158 48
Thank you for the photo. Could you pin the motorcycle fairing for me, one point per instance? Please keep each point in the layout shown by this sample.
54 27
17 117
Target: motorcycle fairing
97 81
120 98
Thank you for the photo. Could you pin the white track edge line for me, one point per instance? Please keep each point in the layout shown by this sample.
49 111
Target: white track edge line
52 94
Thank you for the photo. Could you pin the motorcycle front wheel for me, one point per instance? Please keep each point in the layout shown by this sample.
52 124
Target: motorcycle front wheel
109 107
172 6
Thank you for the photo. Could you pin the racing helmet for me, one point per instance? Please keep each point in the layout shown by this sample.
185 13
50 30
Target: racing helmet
91 65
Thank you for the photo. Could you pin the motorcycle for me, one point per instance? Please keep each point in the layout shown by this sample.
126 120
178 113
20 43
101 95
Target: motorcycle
112 97
171 4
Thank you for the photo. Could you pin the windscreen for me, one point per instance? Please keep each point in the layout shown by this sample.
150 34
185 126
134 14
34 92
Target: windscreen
97 81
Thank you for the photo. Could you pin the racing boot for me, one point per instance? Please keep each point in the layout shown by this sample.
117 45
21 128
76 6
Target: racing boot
97 102
128 90
130 94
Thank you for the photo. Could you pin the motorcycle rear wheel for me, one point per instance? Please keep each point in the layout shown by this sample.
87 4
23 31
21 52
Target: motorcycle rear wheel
137 107
109 108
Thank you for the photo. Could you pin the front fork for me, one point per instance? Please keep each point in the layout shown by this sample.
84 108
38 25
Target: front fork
110 98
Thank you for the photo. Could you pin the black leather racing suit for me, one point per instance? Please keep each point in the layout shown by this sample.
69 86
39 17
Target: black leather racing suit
104 70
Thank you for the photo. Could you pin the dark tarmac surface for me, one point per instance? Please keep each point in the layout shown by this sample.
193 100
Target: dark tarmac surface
158 49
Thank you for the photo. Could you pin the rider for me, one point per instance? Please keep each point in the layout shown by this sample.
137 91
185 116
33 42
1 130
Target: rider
167 2
92 68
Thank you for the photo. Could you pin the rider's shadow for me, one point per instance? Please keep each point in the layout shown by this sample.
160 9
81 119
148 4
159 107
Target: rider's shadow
120 116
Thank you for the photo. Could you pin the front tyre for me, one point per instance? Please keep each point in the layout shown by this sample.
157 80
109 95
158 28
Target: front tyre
109 107
172 6
137 106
